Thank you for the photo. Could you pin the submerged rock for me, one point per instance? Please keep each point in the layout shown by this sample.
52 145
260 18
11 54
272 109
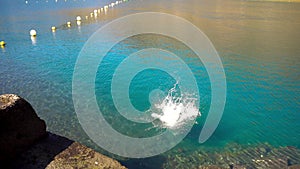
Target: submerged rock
20 127
235 156
210 167
294 167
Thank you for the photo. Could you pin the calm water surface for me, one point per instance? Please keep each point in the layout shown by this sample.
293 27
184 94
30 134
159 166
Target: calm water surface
258 43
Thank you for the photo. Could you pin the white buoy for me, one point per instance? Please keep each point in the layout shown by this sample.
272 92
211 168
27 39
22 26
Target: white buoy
53 28
32 32
78 18
78 23
95 13
69 24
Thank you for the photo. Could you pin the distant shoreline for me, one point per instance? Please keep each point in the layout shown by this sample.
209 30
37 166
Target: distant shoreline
276 0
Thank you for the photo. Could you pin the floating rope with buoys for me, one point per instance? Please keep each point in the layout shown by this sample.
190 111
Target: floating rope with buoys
94 15
91 17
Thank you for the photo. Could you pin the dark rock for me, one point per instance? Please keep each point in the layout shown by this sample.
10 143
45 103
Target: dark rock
24 142
57 152
20 127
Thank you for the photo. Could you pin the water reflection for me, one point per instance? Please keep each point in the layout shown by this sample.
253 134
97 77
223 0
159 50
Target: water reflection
33 40
54 34
3 49
78 26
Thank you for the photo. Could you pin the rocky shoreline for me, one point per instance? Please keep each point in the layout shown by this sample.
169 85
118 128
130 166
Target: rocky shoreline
20 127
26 144
57 152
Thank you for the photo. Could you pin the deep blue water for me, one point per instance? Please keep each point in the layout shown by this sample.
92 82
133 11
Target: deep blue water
258 43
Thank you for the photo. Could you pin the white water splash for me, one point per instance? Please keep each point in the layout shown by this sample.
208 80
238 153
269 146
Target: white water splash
175 111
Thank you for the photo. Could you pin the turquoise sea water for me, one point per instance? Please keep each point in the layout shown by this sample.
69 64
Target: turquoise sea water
258 43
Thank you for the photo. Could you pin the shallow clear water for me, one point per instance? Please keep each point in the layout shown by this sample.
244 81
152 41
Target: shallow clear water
258 43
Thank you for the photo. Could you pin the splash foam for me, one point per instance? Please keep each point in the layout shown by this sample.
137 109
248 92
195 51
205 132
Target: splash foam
175 111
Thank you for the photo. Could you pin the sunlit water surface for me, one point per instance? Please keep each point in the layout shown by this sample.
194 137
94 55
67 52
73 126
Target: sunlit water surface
258 43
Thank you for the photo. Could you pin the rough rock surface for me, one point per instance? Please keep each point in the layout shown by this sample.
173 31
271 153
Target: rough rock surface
20 127
24 142
79 156
56 152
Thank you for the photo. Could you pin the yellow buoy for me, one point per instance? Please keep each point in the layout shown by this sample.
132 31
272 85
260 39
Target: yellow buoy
2 43
32 33
53 28
69 24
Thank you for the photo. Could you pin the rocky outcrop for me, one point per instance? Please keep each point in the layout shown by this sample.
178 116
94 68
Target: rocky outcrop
57 152
79 156
24 142
20 127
